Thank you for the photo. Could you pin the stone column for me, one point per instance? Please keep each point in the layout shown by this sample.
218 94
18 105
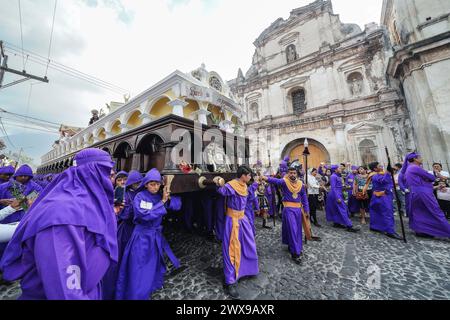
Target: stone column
136 164
202 116
178 106
146 118
340 142
124 128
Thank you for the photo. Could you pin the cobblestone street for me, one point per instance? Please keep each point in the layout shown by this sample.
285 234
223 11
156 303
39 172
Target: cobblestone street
337 268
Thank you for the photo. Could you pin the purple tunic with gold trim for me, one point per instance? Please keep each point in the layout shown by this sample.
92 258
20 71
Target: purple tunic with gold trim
244 262
292 217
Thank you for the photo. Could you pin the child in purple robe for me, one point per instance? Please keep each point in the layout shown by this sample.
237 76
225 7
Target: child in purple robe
381 206
65 243
142 268
6 173
295 202
20 183
240 258
336 209
426 217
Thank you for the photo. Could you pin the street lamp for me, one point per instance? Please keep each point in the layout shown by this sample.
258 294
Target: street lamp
306 153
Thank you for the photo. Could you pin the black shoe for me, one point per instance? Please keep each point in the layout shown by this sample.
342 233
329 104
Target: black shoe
317 225
233 292
316 239
425 236
353 229
297 259
373 230
265 226
338 226
394 236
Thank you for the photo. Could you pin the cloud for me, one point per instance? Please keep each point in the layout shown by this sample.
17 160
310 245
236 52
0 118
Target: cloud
134 44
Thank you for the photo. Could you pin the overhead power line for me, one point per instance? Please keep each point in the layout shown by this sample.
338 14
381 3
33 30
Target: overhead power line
37 58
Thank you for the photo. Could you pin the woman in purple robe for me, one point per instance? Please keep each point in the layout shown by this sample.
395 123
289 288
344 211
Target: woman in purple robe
336 209
381 206
65 243
142 268
295 202
353 203
426 217
240 258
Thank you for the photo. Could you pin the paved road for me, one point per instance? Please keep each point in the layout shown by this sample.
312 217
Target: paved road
343 266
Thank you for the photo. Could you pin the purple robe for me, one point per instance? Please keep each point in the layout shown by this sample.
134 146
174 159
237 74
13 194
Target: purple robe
337 212
67 240
270 194
292 217
426 217
142 268
252 205
249 256
207 202
353 203
381 209
220 216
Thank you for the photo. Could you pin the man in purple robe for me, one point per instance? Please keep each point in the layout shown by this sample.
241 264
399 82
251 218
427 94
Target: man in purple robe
426 217
6 173
336 209
381 206
240 258
295 202
65 243
142 268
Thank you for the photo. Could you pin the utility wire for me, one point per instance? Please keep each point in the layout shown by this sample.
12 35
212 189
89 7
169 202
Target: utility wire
20 115
21 34
6 134
51 37
58 66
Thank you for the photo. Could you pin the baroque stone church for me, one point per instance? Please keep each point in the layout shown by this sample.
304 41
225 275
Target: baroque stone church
315 77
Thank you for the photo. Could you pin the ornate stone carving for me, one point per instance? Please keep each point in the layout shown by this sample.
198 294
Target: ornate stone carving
291 53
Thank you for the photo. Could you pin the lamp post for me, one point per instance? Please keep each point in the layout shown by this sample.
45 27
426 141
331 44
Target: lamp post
306 153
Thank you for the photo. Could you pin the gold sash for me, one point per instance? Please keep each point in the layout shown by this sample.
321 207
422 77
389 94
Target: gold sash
379 193
240 187
296 205
305 221
294 188
234 248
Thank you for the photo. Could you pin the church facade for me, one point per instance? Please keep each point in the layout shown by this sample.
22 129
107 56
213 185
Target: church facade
314 77
419 31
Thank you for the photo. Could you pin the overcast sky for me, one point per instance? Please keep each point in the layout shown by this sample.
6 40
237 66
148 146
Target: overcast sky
132 44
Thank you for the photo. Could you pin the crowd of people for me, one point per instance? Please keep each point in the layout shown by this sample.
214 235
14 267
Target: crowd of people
92 233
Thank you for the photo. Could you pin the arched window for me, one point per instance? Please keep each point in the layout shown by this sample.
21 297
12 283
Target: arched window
291 53
254 111
298 101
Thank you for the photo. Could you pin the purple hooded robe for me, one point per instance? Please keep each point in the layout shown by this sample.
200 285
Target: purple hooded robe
65 243
381 208
337 212
292 217
426 217
248 256
142 268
